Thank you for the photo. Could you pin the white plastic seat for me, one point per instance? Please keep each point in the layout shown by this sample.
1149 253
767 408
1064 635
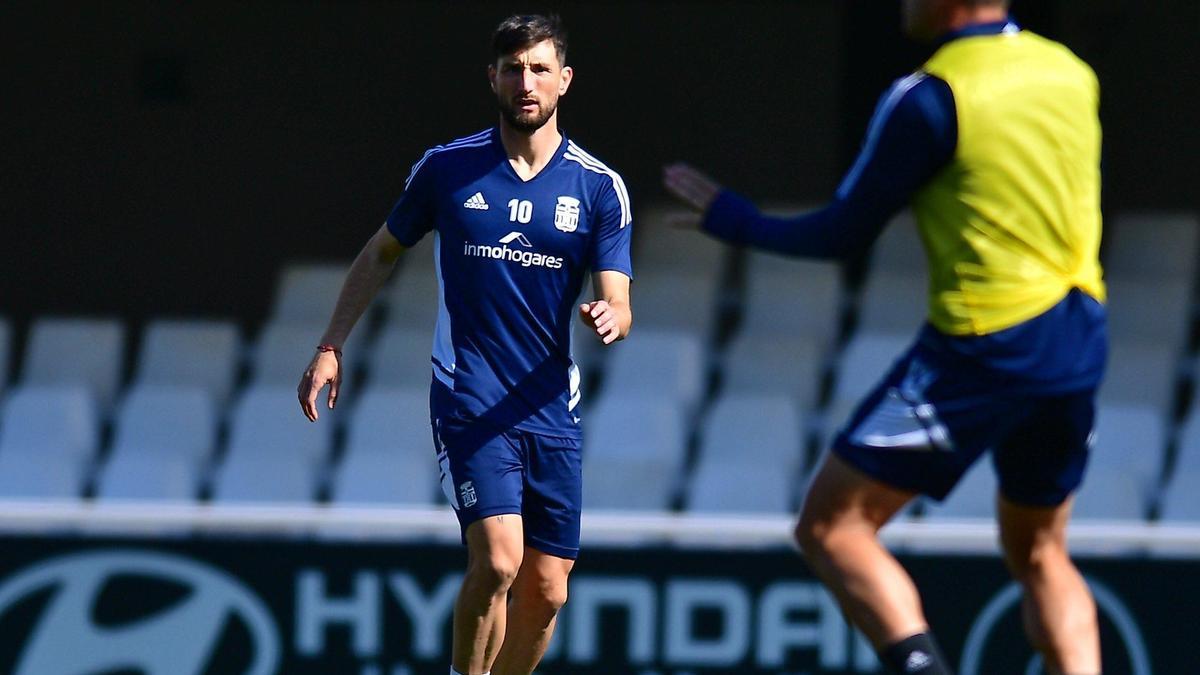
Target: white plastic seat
307 292
676 299
893 303
400 357
1131 440
284 350
790 296
1181 499
633 451
1151 312
412 299
898 252
48 435
1109 494
1139 373
164 436
389 455
663 364
84 352
193 353
274 453
749 454
866 360
775 365
1152 245
658 245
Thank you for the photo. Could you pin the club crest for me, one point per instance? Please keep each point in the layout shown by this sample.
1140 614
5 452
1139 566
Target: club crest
566 214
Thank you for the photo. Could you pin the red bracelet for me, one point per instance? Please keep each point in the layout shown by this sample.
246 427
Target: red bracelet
329 348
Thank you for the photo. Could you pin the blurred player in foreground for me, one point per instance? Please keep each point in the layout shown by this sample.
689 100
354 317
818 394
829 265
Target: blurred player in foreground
520 213
995 143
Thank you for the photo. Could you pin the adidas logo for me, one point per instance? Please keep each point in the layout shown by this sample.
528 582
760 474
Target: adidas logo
917 660
476 202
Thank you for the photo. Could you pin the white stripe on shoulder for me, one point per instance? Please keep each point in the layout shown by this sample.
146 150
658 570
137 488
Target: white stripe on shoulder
579 155
882 112
472 141
626 218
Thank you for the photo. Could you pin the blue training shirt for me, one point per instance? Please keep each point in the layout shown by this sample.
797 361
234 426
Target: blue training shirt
511 256
913 134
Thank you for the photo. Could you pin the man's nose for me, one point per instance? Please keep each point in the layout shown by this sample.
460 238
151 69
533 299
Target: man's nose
527 79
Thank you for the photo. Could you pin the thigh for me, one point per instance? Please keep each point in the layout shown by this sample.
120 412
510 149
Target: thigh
927 422
842 496
553 495
1041 461
481 470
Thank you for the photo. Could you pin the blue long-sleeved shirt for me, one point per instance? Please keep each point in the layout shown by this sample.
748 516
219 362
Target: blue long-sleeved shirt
913 135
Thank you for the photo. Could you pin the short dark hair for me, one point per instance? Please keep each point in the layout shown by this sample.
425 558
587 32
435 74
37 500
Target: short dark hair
522 31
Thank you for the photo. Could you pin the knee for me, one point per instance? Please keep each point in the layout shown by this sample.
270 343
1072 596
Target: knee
494 573
1038 561
548 593
812 535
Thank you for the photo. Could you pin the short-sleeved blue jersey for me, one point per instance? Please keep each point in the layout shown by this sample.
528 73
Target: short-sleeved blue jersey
511 256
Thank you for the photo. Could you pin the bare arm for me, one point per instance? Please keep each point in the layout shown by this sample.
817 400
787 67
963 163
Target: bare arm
610 316
370 269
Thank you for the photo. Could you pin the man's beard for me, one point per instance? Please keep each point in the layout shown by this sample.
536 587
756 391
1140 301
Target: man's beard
526 122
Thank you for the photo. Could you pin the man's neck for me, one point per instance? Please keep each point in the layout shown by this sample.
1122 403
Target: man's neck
966 16
529 153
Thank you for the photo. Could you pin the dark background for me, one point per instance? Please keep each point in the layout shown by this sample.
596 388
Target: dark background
164 158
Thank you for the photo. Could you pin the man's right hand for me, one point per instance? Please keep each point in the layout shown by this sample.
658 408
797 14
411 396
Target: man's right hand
326 368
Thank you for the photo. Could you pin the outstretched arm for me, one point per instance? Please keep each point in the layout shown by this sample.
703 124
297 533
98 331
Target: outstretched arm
912 136
370 269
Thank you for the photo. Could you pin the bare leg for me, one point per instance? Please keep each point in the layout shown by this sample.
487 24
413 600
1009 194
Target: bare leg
538 593
837 533
495 547
1057 608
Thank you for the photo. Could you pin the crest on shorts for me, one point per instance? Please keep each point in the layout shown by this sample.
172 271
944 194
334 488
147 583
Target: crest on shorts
467 492
566 214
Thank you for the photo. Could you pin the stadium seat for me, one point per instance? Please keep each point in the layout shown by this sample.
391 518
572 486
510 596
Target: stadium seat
84 352
660 246
898 252
973 497
274 454
1108 493
164 436
307 292
776 365
675 299
1139 373
1151 312
1181 499
893 303
866 360
400 357
1130 439
411 299
633 451
1152 245
204 354
749 455
284 350
48 437
664 364
790 296
389 455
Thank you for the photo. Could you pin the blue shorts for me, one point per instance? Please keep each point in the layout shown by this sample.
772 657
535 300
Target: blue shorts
486 472
933 415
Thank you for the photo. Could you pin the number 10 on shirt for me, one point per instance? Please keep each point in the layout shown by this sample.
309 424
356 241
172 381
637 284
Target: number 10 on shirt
520 210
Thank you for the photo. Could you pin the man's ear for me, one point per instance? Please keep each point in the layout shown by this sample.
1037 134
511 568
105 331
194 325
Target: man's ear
568 74
491 75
